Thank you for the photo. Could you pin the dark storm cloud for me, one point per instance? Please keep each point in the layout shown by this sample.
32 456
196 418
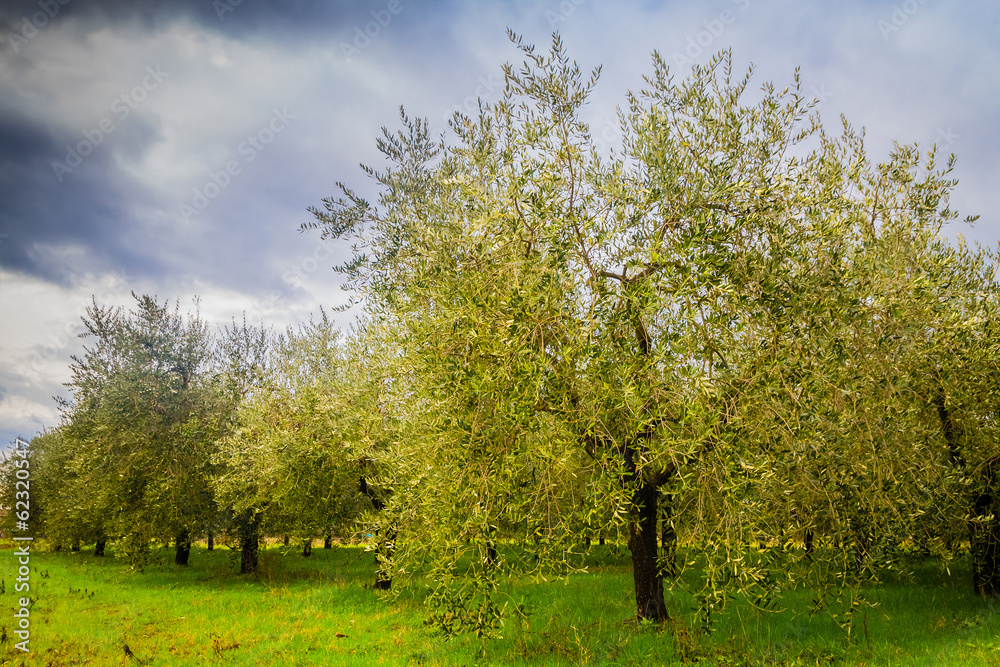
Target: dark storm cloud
63 222
21 138
56 230
305 19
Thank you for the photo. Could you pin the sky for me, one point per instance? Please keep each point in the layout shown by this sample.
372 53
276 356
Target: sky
172 148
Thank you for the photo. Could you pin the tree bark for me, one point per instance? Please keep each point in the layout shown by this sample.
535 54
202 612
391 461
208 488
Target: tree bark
383 581
327 540
491 552
985 534
949 431
642 543
182 545
809 544
99 547
642 537
211 540
248 531
668 540
307 547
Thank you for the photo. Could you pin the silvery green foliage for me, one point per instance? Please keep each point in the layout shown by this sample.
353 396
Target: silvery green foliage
736 313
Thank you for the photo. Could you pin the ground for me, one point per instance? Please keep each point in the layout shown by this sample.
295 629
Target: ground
317 611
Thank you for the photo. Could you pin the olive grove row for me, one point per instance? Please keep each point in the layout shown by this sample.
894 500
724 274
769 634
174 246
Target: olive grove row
734 333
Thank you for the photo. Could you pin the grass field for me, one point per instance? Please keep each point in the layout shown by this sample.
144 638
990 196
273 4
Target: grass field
316 611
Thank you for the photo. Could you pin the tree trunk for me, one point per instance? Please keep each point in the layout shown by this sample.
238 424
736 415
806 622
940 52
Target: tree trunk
668 540
383 581
491 552
211 540
642 543
809 544
286 540
307 547
984 534
99 547
248 530
642 536
327 540
182 544
600 540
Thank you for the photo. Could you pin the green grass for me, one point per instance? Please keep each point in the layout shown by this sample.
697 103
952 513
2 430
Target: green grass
88 609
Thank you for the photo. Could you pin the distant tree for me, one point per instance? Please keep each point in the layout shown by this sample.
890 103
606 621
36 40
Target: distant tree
244 358
284 464
63 507
142 423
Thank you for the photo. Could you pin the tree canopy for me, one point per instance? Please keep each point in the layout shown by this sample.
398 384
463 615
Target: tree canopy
727 324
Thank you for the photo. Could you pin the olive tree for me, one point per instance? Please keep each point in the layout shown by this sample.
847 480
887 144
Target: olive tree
584 337
243 364
141 425
60 505
284 465
67 511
